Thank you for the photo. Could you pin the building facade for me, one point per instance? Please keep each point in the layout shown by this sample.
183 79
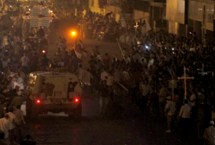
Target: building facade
201 19
188 16
179 17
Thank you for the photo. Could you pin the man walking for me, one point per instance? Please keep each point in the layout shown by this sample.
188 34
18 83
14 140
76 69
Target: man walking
184 119
169 112
19 123
209 134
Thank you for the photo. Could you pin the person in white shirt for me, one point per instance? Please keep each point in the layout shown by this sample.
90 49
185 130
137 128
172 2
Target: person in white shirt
185 110
125 76
5 125
169 111
19 122
163 92
145 90
11 126
25 63
192 100
109 84
185 118
104 75
209 134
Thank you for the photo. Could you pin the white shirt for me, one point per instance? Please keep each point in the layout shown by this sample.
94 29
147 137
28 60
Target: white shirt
145 89
19 117
209 135
170 108
110 80
185 111
4 126
24 61
117 76
5 63
103 75
193 99
125 75
11 119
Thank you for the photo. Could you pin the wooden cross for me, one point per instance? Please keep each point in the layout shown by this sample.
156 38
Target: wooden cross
202 72
185 78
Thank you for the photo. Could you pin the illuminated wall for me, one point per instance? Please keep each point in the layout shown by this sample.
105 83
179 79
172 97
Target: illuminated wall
175 11
202 12
94 6
197 13
209 17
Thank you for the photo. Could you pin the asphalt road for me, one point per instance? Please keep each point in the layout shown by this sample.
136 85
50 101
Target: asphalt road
56 130
61 130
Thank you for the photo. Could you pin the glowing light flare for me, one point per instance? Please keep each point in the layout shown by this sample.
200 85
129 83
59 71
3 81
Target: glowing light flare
73 33
38 101
147 47
76 100
43 51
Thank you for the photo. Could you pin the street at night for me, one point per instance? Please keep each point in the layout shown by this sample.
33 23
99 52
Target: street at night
52 130
107 72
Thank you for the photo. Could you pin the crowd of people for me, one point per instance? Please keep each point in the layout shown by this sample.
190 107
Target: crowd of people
100 27
12 125
138 82
143 77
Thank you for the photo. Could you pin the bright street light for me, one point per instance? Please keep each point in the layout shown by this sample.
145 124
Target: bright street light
73 33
